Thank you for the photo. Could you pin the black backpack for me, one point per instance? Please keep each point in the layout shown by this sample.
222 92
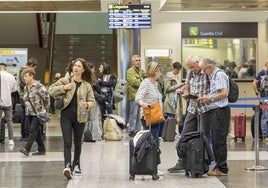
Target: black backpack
233 91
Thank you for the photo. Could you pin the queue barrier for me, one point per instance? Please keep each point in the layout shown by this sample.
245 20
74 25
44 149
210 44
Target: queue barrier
256 166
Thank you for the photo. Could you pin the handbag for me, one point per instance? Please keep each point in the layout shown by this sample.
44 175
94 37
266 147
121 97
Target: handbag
59 101
42 117
153 114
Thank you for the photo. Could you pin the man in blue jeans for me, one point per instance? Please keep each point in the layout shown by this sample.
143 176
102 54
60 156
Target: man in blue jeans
134 77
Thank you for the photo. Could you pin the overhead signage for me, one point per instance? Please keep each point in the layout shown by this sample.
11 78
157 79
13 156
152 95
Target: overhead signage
219 30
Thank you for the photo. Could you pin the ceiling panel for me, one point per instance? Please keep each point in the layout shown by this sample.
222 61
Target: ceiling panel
47 5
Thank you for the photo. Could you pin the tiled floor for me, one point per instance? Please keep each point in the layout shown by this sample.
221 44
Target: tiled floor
105 164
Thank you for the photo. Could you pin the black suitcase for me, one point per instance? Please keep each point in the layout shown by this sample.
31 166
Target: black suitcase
253 127
195 152
148 165
168 131
2 130
195 162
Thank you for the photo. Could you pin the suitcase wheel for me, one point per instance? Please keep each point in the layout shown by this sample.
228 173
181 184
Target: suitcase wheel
187 174
243 139
155 177
132 177
235 139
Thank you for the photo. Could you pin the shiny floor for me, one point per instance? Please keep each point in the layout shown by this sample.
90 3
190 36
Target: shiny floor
105 164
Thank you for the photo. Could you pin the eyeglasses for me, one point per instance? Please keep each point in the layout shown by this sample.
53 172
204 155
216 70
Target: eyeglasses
206 67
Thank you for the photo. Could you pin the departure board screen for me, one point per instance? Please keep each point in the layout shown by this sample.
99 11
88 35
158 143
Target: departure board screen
130 16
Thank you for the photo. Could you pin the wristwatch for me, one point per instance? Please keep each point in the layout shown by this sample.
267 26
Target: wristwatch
212 99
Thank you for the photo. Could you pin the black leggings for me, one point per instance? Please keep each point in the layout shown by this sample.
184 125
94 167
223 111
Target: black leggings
70 126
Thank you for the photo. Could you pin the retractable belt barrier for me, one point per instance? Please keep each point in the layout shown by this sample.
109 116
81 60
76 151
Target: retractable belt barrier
256 108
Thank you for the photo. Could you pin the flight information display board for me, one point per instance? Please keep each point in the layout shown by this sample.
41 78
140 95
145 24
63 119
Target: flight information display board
130 16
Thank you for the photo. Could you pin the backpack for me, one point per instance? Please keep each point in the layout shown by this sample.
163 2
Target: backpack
264 82
120 90
233 91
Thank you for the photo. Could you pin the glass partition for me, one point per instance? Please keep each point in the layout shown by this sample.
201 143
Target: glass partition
237 56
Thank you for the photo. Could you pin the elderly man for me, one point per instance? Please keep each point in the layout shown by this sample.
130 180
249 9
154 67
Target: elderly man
197 84
134 77
219 113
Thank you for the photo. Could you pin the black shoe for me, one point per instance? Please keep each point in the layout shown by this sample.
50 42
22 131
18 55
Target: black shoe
39 153
132 134
176 168
24 151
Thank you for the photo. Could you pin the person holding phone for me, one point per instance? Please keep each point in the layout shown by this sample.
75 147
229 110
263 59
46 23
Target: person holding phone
196 86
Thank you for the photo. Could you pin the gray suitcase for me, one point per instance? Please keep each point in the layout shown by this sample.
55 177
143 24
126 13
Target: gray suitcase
168 131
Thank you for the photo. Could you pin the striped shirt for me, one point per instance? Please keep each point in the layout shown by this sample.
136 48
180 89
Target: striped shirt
199 86
218 80
148 93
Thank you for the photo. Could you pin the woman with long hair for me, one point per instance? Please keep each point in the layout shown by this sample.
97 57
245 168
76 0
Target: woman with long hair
78 101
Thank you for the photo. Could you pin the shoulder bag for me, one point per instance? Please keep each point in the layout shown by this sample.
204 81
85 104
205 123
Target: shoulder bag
59 101
153 114
42 117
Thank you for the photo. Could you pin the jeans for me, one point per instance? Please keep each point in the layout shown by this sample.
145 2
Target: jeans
70 126
154 130
134 117
220 122
35 135
8 117
103 108
264 119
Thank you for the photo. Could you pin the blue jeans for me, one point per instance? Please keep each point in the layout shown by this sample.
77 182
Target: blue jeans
134 119
8 116
264 119
154 130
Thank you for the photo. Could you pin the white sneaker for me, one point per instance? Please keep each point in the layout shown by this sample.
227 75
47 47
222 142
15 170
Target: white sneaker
160 173
11 142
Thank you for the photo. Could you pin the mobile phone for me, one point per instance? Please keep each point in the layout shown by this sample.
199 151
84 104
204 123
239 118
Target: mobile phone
190 96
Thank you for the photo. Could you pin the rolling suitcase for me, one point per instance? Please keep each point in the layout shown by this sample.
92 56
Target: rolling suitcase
253 127
148 165
168 131
240 126
196 153
144 155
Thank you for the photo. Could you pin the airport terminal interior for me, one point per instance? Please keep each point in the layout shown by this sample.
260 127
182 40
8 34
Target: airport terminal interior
106 163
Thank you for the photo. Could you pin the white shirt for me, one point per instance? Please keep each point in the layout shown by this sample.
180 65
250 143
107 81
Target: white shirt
8 85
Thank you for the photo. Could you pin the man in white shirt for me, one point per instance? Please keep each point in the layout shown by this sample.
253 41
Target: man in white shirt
8 85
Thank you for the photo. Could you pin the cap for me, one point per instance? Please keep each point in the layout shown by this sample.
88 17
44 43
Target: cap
3 64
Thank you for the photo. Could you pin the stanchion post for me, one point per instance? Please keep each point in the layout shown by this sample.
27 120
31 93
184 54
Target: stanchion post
256 167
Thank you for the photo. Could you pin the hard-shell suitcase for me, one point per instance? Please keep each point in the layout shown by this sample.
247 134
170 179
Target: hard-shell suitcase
240 126
2 130
168 131
148 166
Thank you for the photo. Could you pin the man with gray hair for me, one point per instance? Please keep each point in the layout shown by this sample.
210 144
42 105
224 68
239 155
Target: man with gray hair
197 84
134 77
219 113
